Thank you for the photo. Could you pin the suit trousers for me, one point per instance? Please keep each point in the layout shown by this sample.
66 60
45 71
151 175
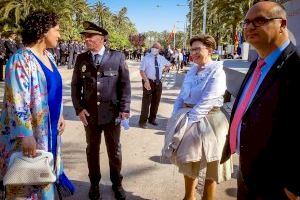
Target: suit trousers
150 98
113 146
271 193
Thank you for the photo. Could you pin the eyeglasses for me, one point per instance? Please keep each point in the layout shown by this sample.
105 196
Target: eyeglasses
258 21
198 49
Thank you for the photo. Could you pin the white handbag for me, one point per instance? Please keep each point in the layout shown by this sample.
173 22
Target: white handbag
23 170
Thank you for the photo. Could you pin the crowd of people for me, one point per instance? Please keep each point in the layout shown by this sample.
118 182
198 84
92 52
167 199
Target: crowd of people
64 53
198 139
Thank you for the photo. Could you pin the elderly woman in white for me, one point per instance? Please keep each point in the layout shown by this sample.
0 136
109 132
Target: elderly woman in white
197 130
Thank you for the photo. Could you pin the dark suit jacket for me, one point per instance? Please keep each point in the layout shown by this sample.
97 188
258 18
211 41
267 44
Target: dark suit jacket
269 137
11 48
102 90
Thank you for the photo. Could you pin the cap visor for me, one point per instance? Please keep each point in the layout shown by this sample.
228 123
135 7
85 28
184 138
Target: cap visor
92 31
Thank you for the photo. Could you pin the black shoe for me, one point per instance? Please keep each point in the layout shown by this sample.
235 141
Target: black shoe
154 123
94 193
144 125
119 192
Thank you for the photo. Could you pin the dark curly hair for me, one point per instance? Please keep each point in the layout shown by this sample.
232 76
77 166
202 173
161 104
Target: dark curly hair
36 25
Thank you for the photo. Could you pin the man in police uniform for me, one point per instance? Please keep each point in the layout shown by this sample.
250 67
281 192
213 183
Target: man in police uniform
101 94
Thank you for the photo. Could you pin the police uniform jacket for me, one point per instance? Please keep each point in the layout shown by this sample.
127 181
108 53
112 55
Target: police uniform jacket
104 89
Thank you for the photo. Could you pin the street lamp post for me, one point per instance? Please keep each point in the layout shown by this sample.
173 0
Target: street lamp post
204 16
184 31
192 11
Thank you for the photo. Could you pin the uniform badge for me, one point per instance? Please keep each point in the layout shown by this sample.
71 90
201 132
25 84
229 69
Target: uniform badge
83 69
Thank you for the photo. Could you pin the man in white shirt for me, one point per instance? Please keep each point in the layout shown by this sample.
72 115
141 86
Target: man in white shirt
151 69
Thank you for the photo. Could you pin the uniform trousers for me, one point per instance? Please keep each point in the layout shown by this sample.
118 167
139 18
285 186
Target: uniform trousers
113 146
150 98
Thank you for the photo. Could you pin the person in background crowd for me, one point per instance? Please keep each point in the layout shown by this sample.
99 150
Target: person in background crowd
151 69
262 129
10 44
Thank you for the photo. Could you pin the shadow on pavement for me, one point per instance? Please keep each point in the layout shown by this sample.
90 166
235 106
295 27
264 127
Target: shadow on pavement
160 133
160 160
162 122
82 189
231 192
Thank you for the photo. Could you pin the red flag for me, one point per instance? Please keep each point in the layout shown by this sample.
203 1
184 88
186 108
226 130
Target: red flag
172 34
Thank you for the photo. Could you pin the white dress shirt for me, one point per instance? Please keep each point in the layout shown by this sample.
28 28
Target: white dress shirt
204 89
148 65
100 52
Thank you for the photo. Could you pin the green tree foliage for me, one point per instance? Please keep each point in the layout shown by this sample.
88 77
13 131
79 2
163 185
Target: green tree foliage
72 13
223 17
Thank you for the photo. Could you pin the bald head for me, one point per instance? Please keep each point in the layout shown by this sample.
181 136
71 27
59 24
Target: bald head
266 27
271 9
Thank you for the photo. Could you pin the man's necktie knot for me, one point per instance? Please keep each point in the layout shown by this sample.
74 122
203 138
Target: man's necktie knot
260 64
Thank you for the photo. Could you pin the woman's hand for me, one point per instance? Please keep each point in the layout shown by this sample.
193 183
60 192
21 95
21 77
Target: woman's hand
61 125
29 146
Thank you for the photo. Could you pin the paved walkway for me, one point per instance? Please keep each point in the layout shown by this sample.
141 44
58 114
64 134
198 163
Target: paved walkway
145 177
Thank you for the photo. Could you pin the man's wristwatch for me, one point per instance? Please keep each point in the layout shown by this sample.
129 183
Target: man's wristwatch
147 80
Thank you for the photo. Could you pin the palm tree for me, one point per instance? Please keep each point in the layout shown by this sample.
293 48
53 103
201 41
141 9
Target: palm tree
101 11
121 16
17 8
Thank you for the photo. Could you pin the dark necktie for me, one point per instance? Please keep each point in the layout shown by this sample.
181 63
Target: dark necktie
97 58
156 71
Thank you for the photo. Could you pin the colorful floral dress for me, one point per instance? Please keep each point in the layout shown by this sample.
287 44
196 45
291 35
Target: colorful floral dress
26 113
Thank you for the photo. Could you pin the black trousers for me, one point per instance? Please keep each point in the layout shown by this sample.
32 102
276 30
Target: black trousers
150 98
112 141
271 193
2 62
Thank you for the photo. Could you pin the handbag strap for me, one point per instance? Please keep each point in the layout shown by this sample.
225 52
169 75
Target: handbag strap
40 155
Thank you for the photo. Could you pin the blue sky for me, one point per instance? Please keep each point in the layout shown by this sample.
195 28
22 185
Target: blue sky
151 15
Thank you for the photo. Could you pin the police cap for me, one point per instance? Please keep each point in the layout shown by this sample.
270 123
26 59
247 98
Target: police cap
90 27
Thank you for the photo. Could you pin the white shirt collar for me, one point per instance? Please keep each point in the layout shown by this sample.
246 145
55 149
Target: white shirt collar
101 52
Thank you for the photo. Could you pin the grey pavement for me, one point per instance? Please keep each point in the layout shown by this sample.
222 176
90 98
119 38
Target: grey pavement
145 176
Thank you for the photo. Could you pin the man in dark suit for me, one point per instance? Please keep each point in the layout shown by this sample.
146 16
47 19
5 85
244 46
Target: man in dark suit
101 94
10 44
262 129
